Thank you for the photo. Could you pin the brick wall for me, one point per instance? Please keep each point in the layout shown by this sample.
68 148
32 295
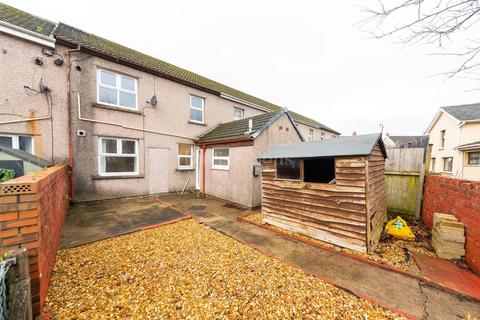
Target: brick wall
32 212
462 199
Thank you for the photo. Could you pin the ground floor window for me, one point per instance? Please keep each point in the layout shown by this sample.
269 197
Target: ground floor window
118 157
320 170
474 158
289 169
24 143
221 159
448 164
185 156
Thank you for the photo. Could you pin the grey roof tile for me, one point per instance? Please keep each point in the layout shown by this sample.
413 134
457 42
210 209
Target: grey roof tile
464 112
25 20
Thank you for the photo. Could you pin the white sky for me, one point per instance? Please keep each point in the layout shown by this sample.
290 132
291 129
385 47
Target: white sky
306 55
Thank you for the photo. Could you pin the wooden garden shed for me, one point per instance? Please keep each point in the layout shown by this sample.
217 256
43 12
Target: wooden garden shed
332 190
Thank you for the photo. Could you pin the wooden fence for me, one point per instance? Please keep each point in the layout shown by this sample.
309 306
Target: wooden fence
405 171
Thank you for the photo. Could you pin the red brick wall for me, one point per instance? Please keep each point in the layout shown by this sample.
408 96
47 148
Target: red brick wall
32 212
462 199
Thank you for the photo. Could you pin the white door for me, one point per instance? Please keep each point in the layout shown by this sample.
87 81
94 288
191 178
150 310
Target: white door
198 169
157 170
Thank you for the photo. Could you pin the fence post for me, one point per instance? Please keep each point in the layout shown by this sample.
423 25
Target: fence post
18 281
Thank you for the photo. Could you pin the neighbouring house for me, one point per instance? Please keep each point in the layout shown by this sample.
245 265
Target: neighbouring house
332 190
455 141
405 141
231 170
126 123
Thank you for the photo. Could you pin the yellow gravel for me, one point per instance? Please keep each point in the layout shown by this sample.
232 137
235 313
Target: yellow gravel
187 271
393 252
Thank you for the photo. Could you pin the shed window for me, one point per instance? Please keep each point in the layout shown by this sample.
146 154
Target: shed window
288 169
118 157
221 159
116 90
319 170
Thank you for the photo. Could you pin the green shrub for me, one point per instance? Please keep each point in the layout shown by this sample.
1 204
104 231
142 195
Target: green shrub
6 174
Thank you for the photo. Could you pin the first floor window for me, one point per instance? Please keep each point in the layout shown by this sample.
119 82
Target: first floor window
118 157
185 156
221 159
24 143
310 134
447 164
474 158
116 90
322 136
237 113
197 105
288 169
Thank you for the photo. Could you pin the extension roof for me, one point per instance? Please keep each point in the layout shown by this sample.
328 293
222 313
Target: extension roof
337 147
238 129
25 156
469 146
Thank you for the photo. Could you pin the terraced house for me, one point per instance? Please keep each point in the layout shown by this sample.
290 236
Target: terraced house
130 124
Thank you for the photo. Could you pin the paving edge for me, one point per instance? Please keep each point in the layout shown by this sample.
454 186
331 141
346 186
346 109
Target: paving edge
242 218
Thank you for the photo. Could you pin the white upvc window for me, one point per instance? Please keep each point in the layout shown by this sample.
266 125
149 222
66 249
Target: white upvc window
221 159
310 134
20 142
322 135
116 90
117 157
238 113
197 108
185 156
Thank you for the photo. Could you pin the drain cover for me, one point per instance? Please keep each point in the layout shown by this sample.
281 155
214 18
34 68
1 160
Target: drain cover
197 208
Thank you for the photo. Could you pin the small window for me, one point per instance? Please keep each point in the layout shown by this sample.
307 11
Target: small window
433 165
221 159
237 113
322 136
197 105
288 169
310 134
185 156
442 139
447 164
116 90
319 170
118 157
474 158
24 143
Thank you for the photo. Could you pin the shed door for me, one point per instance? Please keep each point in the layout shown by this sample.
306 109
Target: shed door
158 170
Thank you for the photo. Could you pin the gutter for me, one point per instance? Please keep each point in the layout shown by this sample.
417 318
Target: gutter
224 141
26 34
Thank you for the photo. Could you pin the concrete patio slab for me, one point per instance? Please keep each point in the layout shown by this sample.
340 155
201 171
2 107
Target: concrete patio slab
90 222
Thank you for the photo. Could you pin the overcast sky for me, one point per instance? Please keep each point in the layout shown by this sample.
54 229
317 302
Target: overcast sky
306 55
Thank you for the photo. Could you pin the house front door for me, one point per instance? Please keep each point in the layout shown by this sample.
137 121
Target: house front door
198 169
157 170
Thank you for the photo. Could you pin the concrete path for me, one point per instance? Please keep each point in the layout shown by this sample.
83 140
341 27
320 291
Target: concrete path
391 289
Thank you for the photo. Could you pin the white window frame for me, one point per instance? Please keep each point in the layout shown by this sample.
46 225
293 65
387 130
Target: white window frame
240 109
310 134
118 88
472 164
180 167
195 108
16 142
117 154
220 167
443 164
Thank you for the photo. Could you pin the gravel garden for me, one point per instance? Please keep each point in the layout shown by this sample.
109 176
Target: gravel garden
186 270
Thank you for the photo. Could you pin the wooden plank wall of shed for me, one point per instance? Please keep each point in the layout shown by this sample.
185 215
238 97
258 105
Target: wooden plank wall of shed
333 213
376 199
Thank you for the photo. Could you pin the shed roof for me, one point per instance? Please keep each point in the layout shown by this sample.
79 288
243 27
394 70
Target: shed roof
25 20
25 156
465 112
238 129
337 147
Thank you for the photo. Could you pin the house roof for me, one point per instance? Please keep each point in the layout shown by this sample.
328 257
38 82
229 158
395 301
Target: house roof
469 146
465 112
410 141
25 20
337 147
238 129
25 156
119 52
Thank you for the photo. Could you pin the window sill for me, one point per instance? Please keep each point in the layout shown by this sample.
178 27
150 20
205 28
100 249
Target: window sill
106 106
221 169
184 169
138 176
197 123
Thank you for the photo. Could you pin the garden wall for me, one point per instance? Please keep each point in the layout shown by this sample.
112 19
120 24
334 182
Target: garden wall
32 212
462 199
